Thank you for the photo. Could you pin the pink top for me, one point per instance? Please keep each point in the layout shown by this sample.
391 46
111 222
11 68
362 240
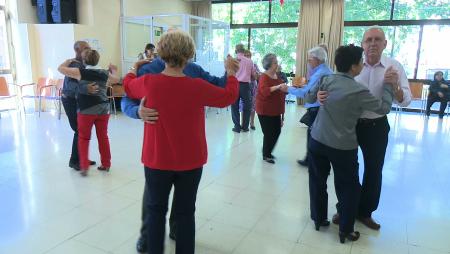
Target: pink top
246 68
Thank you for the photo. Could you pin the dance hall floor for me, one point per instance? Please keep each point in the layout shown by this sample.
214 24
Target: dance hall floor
244 204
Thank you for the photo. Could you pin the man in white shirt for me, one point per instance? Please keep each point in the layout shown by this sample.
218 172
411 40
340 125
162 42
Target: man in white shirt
372 129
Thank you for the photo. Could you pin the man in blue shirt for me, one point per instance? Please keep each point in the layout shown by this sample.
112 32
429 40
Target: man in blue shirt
135 109
317 58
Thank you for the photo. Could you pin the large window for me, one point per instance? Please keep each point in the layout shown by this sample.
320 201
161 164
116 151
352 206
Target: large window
417 31
367 10
262 26
251 13
280 41
421 9
288 12
435 52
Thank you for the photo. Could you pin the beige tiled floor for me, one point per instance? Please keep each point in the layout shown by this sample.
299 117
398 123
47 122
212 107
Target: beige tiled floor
244 205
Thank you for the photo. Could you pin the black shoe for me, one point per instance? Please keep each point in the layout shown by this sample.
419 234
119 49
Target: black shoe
172 236
303 163
271 157
324 223
236 130
353 236
244 130
92 163
268 159
101 168
141 245
75 166
252 127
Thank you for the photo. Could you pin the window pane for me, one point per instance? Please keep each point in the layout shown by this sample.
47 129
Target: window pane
405 45
422 9
355 10
4 52
238 36
288 12
221 12
281 41
251 13
434 54
354 34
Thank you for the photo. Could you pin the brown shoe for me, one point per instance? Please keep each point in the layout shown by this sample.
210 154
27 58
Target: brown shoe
335 219
370 223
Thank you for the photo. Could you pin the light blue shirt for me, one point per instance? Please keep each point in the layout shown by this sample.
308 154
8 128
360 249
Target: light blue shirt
316 74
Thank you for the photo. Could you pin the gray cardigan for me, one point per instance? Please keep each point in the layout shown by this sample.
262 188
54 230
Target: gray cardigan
335 124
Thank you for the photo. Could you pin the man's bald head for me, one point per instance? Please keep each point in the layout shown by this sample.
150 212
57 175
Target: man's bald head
79 47
374 42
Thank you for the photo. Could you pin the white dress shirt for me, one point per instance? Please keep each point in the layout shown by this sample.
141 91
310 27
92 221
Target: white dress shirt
372 77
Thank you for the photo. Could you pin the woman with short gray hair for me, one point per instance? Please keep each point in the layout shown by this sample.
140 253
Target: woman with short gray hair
270 105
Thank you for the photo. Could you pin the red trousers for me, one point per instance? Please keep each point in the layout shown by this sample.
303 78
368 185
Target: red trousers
85 123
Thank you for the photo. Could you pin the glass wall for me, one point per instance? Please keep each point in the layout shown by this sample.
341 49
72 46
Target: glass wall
413 39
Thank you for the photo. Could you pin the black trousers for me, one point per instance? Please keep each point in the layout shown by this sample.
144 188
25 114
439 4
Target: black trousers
271 128
144 227
70 107
312 116
346 182
432 98
245 96
159 183
373 140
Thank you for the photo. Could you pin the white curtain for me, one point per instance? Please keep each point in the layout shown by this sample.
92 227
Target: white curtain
320 21
202 9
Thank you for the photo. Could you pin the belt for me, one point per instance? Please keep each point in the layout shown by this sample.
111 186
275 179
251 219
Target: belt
369 120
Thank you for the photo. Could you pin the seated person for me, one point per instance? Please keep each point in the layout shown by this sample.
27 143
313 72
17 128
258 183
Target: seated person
438 91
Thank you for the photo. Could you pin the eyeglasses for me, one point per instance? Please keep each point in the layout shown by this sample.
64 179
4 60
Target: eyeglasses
373 40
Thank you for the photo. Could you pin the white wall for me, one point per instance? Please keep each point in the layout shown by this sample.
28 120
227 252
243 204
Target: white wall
53 44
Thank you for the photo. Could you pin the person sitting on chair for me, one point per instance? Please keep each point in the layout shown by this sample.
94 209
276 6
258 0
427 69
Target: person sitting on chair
438 91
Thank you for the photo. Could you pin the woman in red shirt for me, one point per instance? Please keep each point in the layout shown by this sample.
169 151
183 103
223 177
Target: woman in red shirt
174 149
270 105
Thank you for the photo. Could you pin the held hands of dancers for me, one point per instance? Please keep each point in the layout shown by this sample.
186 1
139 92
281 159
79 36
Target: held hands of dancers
283 87
231 66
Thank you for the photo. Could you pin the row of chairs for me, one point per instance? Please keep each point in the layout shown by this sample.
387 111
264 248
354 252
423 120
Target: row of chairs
49 90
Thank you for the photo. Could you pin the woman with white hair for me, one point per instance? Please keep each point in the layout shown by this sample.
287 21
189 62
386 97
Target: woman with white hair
317 64
270 105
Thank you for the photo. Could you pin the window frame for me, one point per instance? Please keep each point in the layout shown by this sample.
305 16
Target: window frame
7 43
367 23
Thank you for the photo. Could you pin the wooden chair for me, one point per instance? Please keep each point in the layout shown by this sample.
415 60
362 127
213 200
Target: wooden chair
115 91
417 94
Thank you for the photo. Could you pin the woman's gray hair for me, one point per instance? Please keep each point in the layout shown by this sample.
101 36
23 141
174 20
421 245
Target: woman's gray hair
268 60
319 53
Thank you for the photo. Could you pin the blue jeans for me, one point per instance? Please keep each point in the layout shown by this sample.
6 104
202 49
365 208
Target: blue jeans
159 184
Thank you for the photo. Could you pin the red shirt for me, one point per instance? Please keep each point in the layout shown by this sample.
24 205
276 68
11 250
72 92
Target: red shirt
269 103
177 140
